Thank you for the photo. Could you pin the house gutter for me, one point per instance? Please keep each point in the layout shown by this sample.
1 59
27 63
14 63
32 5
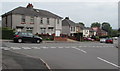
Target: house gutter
11 20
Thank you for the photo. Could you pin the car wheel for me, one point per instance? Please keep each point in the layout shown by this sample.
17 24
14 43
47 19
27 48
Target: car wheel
37 41
20 41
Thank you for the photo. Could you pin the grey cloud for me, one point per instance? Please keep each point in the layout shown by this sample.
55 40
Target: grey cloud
87 12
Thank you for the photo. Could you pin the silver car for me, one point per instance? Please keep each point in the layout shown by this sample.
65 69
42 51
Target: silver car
102 40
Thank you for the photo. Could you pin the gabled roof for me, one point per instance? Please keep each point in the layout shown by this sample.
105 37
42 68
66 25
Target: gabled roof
88 28
80 25
67 22
32 12
102 31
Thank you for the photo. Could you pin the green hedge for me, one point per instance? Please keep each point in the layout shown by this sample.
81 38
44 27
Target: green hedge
7 33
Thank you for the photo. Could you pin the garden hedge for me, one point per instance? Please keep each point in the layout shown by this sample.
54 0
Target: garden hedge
7 33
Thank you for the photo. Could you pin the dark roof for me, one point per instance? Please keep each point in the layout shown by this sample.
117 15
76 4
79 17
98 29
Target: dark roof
102 31
67 22
88 28
32 12
80 25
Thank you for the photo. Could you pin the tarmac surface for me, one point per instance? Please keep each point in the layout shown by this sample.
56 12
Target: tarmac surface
66 55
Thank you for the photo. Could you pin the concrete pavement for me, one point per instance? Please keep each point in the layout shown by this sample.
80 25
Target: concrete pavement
12 60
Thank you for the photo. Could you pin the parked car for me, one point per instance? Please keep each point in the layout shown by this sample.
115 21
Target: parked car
26 37
102 40
88 39
109 40
115 38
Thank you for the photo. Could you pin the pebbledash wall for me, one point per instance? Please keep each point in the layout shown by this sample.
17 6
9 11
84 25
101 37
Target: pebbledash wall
37 25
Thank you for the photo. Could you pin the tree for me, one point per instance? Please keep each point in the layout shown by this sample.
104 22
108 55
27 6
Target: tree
95 24
114 33
106 26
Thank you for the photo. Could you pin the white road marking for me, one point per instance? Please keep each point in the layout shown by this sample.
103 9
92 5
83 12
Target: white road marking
60 47
46 64
73 47
26 48
52 47
81 50
96 46
44 47
67 47
2 47
15 48
35 47
93 46
6 48
108 62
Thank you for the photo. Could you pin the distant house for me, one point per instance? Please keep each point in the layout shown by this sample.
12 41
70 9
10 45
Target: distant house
33 20
79 28
70 28
99 31
88 32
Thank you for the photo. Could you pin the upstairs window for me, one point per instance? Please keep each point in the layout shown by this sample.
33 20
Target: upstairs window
32 20
58 21
41 21
23 19
72 29
48 22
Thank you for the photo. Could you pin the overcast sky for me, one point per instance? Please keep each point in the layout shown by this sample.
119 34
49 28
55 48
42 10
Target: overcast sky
86 12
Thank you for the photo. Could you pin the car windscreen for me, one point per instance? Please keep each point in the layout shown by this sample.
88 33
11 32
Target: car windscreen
23 34
16 33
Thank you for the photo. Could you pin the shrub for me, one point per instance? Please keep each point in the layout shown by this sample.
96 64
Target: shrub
7 33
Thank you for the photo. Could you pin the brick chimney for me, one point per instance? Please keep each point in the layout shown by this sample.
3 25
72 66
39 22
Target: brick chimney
67 18
30 6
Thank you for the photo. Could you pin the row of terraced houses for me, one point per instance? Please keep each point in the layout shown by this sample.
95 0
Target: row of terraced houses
29 19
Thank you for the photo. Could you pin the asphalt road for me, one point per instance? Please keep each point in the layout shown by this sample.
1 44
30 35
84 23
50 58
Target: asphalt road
78 55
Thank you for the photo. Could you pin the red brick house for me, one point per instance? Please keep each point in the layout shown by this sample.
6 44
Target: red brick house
99 31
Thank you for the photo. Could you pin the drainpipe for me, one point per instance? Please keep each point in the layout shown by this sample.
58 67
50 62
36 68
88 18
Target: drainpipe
11 20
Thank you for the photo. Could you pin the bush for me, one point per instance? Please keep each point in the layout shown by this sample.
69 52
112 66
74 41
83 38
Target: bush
104 36
7 33
46 36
